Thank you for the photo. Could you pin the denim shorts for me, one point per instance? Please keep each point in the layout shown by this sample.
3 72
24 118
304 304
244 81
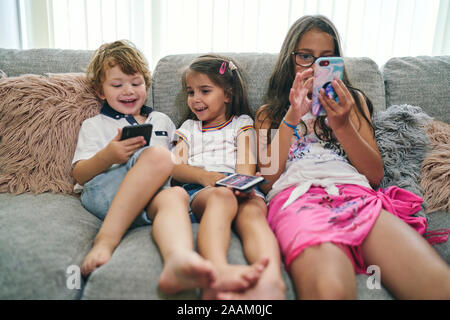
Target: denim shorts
99 192
193 189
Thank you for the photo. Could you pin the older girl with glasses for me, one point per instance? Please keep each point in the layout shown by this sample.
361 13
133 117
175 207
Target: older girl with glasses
330 220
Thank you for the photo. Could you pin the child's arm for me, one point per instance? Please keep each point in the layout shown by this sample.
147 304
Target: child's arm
185 173
246 153
272 157
115 152
354 133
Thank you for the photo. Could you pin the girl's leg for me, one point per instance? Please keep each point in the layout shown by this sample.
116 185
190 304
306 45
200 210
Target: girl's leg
140 184
409 266
259 242
324 272
217 208
172 230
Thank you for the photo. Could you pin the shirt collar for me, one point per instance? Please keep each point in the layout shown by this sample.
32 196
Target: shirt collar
214 128
107 110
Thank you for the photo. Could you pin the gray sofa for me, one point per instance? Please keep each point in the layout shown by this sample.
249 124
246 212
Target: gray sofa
43 236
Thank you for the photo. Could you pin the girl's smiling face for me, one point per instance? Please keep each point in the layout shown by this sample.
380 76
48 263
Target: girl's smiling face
124 93
206 99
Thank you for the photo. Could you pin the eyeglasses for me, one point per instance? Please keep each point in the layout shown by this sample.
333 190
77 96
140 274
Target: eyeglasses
304 59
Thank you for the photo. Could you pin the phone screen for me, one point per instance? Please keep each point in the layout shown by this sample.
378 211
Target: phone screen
240 181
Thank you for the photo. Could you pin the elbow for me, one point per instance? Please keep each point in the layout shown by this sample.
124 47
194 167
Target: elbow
376 177
77 176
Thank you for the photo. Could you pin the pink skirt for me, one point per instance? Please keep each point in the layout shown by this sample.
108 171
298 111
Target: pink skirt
345 220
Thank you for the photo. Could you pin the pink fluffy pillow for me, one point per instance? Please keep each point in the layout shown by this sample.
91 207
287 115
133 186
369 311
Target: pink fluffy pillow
435 170
40 117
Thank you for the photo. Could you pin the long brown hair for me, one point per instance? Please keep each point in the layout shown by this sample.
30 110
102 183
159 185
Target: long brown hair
282 77
227 74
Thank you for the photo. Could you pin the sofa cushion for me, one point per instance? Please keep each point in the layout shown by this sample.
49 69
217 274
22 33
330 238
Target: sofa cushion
143 270
138 254
39 122
41 61
41 236
365 75
169 98
420 81
437 221
435 169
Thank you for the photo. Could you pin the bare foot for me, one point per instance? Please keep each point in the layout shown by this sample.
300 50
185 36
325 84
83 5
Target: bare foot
267 288
186 270
235 278
100 254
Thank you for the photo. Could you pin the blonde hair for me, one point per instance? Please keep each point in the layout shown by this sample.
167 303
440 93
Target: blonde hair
122 53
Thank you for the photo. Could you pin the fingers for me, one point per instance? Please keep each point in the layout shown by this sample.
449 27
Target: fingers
303 79
134 141
119 134
345 98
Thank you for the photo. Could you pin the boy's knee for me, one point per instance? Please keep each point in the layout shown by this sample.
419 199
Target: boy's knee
157 157
178 194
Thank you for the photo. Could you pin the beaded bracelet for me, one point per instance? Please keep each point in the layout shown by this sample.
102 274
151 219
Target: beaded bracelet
293 127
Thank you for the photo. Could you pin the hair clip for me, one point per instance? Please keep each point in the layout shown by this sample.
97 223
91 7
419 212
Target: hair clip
223 67
232 66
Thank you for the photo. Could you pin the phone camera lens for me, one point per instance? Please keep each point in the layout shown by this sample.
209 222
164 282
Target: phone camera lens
324 63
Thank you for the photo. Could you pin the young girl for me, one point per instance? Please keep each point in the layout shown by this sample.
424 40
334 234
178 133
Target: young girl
329 221
213 143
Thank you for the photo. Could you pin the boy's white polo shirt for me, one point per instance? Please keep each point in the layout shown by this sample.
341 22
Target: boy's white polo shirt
98 131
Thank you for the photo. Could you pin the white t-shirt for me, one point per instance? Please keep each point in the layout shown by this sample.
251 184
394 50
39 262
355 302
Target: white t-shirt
214 148
98 131
313 162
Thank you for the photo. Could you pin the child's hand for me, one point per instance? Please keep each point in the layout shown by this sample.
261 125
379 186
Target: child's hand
338 114
210 178
242 195
298 96
118 152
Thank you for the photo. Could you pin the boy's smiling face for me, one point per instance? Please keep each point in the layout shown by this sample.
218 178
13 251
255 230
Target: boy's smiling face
124 93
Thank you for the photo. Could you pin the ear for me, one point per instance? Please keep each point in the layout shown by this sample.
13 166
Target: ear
228 96
100 95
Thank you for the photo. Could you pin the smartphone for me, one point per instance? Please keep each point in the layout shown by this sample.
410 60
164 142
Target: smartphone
325 70
137 130
241 182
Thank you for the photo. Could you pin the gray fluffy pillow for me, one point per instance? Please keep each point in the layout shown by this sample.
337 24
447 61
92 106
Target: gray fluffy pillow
401 135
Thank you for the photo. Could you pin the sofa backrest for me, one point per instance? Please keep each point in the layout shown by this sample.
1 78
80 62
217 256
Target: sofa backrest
168 96
165 94
420 81
41 61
